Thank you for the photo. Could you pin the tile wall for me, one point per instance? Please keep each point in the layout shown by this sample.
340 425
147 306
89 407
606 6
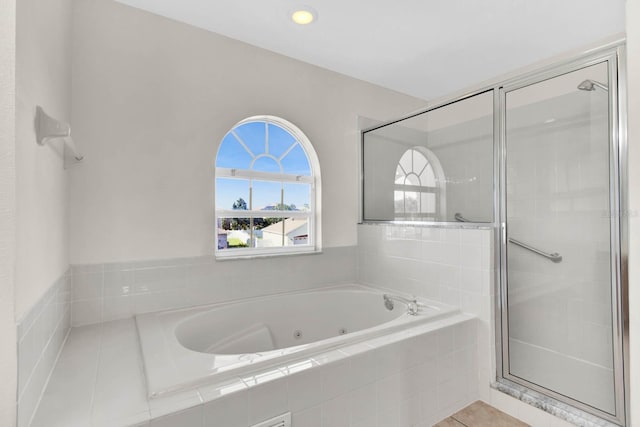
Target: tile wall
41 335
105 292
451 265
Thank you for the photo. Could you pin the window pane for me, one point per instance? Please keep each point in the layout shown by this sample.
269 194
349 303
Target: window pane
279 232
411 202
398 201
427 202
419 161
296 162
428 178
297 196
266 164
267 195
232 155
412 179
253 135
405 161
279 140
234 233
231 193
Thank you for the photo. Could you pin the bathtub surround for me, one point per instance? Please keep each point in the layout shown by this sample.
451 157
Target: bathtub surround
41 335
417 376
195 347
449 265
104 292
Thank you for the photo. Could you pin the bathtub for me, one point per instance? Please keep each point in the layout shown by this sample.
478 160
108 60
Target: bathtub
188 348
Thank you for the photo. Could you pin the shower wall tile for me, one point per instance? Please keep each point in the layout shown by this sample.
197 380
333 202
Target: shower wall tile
106 292
450 265
41 334
455 266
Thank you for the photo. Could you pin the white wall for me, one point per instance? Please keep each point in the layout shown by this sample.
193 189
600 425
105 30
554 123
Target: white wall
633 68
152 98
43 77
8 368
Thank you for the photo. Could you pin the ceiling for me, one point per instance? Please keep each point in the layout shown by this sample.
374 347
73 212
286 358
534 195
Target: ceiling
425 48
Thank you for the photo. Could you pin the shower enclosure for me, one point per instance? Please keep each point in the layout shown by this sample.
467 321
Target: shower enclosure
541 158
561 229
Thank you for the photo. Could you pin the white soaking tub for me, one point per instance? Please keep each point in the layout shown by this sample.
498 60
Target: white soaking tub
187 348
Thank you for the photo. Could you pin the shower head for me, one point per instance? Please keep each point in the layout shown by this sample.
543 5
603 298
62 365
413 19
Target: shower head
591 85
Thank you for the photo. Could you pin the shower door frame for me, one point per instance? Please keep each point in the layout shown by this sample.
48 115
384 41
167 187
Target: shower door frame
614 56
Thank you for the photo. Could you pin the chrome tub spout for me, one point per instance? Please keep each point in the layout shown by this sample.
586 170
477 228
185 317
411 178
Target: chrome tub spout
412 304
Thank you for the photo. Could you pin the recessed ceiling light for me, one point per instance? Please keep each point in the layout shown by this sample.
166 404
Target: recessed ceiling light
303 16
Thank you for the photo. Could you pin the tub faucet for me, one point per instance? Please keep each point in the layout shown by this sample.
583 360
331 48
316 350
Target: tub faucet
412 304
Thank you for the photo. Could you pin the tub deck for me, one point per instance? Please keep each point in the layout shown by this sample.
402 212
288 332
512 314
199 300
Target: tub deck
99 381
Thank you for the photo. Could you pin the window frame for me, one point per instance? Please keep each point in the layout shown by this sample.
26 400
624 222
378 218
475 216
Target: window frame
313 215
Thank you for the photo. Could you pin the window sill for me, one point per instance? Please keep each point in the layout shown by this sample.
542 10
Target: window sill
244 254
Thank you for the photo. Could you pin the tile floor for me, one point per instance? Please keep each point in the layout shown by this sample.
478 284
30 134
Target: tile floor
479 414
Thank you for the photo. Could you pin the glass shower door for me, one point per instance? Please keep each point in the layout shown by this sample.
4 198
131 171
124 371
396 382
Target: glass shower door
559 238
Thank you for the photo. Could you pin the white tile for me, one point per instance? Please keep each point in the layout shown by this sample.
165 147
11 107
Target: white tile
429 406
471 237
471 257
157 279
337 379
67 399
364 368
157 301
450 235
215 391
305 388
335 412
163 406
409 412
118 283
87 286
363 402
139 418
86 312
329 357
465 334
390 391
310 417
229 410
267 400
115 308
119 386
263 377
188 418
452 395
471 303
388 417
471 280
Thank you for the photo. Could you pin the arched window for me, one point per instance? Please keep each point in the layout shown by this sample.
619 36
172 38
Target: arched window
267 190
418 190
